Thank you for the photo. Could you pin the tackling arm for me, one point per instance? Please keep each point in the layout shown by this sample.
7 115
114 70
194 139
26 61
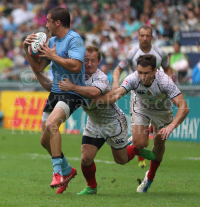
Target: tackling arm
111 97
116 75
85 91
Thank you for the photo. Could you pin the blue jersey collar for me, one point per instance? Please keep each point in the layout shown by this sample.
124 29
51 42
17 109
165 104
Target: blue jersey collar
60 40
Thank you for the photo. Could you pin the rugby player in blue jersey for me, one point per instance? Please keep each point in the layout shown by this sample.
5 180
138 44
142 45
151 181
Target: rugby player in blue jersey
65 52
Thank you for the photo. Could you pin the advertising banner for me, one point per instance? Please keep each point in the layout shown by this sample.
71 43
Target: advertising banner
23 110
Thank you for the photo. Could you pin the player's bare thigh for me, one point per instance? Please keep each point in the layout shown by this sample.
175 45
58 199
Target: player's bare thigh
140 136
55 119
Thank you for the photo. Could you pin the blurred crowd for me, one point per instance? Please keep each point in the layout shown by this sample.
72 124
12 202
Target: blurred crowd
112 25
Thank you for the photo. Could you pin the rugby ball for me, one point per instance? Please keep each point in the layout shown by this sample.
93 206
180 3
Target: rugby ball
39 40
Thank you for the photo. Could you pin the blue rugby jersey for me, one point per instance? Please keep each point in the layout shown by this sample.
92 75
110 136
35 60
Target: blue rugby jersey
70 46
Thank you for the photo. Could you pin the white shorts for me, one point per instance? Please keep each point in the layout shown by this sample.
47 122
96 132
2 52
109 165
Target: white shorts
144 117
115 133
45 116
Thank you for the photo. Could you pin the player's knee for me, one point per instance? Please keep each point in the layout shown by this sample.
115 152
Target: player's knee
51 127
120 160
86 160
140 145
43 142
159 144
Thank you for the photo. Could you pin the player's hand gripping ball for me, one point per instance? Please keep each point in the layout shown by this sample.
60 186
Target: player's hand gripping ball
41 39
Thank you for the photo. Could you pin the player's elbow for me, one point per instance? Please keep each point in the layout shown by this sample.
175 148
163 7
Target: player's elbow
77 69
186 111
38 69
94 94
77 66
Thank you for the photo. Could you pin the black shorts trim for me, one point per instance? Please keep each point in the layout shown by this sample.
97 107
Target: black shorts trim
97 142
72 100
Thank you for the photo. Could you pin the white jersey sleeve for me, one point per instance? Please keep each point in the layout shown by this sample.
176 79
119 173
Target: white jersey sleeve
100 81
167 86
163 55
131 82
127 62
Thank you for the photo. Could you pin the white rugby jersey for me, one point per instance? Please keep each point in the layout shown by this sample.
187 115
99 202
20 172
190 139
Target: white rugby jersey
136 52
102 114
157 96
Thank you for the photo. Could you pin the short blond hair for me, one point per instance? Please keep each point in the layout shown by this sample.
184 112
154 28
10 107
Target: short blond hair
91 48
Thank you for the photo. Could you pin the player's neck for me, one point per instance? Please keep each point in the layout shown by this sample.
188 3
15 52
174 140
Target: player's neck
146 49
62 32
148 85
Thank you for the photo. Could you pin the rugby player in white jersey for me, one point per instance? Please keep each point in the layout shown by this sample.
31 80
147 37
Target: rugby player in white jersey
144 47
154 93
106 123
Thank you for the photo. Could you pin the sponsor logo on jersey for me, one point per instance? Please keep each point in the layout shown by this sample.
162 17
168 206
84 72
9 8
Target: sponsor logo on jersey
65 54
141 92
125 82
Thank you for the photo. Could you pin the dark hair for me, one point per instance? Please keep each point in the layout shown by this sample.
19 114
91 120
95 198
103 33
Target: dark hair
145 27
91 48
147 60
61 14
178 43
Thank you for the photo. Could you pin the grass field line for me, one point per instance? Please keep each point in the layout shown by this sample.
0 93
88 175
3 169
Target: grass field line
192 158
34 156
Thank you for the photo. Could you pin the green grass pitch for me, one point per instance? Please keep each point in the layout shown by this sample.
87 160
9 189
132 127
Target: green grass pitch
26 172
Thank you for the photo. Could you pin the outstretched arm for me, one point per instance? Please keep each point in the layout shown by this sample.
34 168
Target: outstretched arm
111 97
183 110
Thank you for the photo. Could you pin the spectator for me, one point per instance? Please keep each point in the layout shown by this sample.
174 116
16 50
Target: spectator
30 5
47 5
22 15
10 25
86 25
2 35
108 67
192 21
96 8
3 19
76 18
179 63
39 18
5 64
62 3
167 33
131 26
196 74
106 42
155 32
